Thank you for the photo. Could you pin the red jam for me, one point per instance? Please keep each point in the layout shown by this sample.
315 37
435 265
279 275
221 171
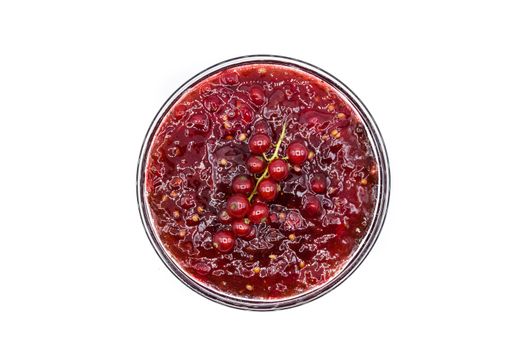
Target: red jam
261 181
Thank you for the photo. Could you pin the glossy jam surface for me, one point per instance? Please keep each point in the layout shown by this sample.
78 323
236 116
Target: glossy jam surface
307 211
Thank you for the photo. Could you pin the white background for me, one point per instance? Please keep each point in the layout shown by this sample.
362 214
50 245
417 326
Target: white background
80 84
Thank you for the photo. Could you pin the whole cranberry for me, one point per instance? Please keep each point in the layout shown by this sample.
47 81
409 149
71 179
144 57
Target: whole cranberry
197 121
341 230
187 201
252 234
242 184
212 103
230 78
297 153
259 143
257 95
278 169
312 206
273 218
179 111
223 241
259 213
237 206
318 183
224 217
255 165
241 227
245 113
202 268
261 127
292 220
267 190
257 199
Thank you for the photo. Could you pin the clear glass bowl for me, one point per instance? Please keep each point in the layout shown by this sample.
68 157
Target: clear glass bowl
358 256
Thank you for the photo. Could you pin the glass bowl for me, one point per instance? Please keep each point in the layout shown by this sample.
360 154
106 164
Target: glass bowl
374 228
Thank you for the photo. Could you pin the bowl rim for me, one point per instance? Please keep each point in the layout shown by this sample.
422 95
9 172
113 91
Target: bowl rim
374 229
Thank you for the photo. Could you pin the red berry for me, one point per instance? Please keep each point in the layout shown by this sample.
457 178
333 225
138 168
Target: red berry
341 230
259 143
224 217
187 201
261 127
197 121
257 199
315 119
312 206
245 113
259 213
255 165
179 111
230 78
278 169
238 206
257 95
205 89
267 190
242 184
297 153
202 268
223 241
241 227
318 183
293 221
312 119
212 103
251 234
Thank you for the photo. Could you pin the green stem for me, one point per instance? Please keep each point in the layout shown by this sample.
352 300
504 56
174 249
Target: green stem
274 156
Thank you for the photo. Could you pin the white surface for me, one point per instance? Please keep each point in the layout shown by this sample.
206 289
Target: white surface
79 85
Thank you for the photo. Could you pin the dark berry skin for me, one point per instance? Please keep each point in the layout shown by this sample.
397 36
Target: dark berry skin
257 95
259 143
187 201
242 184
261 127
297 153
223 241
267 190
230 78
238 206
278 169
318 183
341 230
179 111
252 234
255 165
197 121
312 206
241 227
259 213
257 199
224 217
212 103
244 113
273 218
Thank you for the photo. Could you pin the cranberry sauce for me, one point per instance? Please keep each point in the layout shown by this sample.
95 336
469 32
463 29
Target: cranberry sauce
261 181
